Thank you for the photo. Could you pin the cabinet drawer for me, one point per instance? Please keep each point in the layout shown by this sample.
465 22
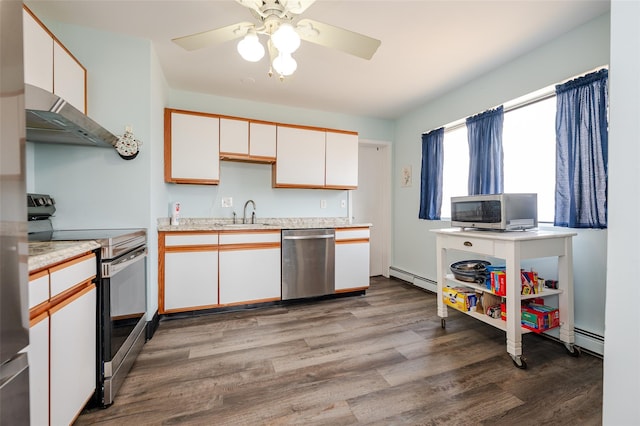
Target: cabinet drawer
352 234
476 245
191 240
249 237
69 274
38 288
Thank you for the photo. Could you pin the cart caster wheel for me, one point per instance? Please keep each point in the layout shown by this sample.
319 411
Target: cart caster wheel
443 323
572 350
519 362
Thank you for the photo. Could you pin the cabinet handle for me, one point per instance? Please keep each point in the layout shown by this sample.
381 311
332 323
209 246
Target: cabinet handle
468 244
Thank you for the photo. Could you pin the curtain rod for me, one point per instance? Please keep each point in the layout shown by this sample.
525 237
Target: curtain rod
545 93
541 97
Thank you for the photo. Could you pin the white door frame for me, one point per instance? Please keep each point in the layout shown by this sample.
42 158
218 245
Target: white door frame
385 202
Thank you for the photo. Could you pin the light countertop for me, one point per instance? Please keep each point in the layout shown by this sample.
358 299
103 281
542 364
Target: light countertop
44 254
224 224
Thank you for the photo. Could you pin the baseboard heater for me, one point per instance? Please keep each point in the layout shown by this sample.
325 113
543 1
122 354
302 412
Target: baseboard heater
587 340
413 279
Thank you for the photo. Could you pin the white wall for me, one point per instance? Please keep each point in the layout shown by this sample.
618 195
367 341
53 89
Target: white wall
622 337
580 50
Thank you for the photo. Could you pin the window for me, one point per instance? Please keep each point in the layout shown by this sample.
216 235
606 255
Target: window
529 145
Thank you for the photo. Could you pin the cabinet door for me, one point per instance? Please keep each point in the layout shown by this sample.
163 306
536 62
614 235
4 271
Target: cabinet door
190 280
69 77
249 267
352 258
38 53
300 157
38 353
72 355
262 140
234 136
342 160
192 152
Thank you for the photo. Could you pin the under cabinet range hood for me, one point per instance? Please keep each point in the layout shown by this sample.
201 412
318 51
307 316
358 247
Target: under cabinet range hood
51 119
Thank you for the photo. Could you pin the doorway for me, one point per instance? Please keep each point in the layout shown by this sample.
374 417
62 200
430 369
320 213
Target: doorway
371 202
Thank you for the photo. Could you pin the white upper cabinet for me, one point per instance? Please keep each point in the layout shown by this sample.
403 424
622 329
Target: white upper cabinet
262 140
244 140
234 136
192 148
68 77
341 160
50 66
38 53
300 157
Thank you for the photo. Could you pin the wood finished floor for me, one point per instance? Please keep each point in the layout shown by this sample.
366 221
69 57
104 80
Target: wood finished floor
377 359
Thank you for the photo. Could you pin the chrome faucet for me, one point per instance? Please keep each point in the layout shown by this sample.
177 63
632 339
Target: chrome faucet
253 214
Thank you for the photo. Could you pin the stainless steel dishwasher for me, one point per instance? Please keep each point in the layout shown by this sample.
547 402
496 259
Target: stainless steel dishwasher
308 263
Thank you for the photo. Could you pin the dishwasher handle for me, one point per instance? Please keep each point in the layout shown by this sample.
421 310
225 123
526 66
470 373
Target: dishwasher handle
308 237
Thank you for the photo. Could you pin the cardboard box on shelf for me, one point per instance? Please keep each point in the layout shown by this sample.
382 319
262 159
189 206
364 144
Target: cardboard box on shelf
460 298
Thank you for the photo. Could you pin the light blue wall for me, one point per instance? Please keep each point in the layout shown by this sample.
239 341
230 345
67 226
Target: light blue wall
95 188
414 250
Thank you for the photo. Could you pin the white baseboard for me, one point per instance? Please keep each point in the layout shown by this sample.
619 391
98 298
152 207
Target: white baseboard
416 280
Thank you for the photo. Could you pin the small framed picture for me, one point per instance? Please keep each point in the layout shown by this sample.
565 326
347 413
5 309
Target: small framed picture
405 179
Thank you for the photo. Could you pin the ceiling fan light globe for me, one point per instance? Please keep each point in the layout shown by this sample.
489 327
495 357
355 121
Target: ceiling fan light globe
250 48
284 64
286 39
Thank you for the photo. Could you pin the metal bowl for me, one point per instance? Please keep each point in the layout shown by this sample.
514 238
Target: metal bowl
472 271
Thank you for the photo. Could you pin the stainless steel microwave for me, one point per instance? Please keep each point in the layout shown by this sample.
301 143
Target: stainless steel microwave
502 212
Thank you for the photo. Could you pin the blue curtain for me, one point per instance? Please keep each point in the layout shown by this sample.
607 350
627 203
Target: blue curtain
582 152
486 162
431 175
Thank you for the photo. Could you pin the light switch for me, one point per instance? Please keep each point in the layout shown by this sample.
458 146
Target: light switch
323 204
343 203
227 202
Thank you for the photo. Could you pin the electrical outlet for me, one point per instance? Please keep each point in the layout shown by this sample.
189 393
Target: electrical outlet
227 202
323 204
343 203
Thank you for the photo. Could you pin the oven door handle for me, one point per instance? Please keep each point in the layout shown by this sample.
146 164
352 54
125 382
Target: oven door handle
110 269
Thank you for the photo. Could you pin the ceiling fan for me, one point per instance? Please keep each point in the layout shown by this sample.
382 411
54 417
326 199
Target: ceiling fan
277 19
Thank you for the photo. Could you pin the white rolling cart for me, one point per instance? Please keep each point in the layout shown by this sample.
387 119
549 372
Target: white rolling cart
513 247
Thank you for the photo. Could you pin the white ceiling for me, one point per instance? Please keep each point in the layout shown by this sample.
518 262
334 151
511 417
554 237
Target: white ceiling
428 47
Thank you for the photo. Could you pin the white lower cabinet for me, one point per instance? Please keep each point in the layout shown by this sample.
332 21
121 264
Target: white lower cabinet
190 280
352 259
62 340
72 355
38 353
188 271
249 267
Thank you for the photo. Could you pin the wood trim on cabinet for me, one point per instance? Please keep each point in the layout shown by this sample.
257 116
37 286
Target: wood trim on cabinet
228 156
39 274
189 309
249 246
73 261
352 289
37 311
249 302
353 241
194 248
37 318
70 295
355 228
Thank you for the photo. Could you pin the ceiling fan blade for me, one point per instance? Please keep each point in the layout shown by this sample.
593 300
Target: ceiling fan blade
251 4
337 38
297 6
213 37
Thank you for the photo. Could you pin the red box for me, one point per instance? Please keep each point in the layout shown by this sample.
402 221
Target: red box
539 318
